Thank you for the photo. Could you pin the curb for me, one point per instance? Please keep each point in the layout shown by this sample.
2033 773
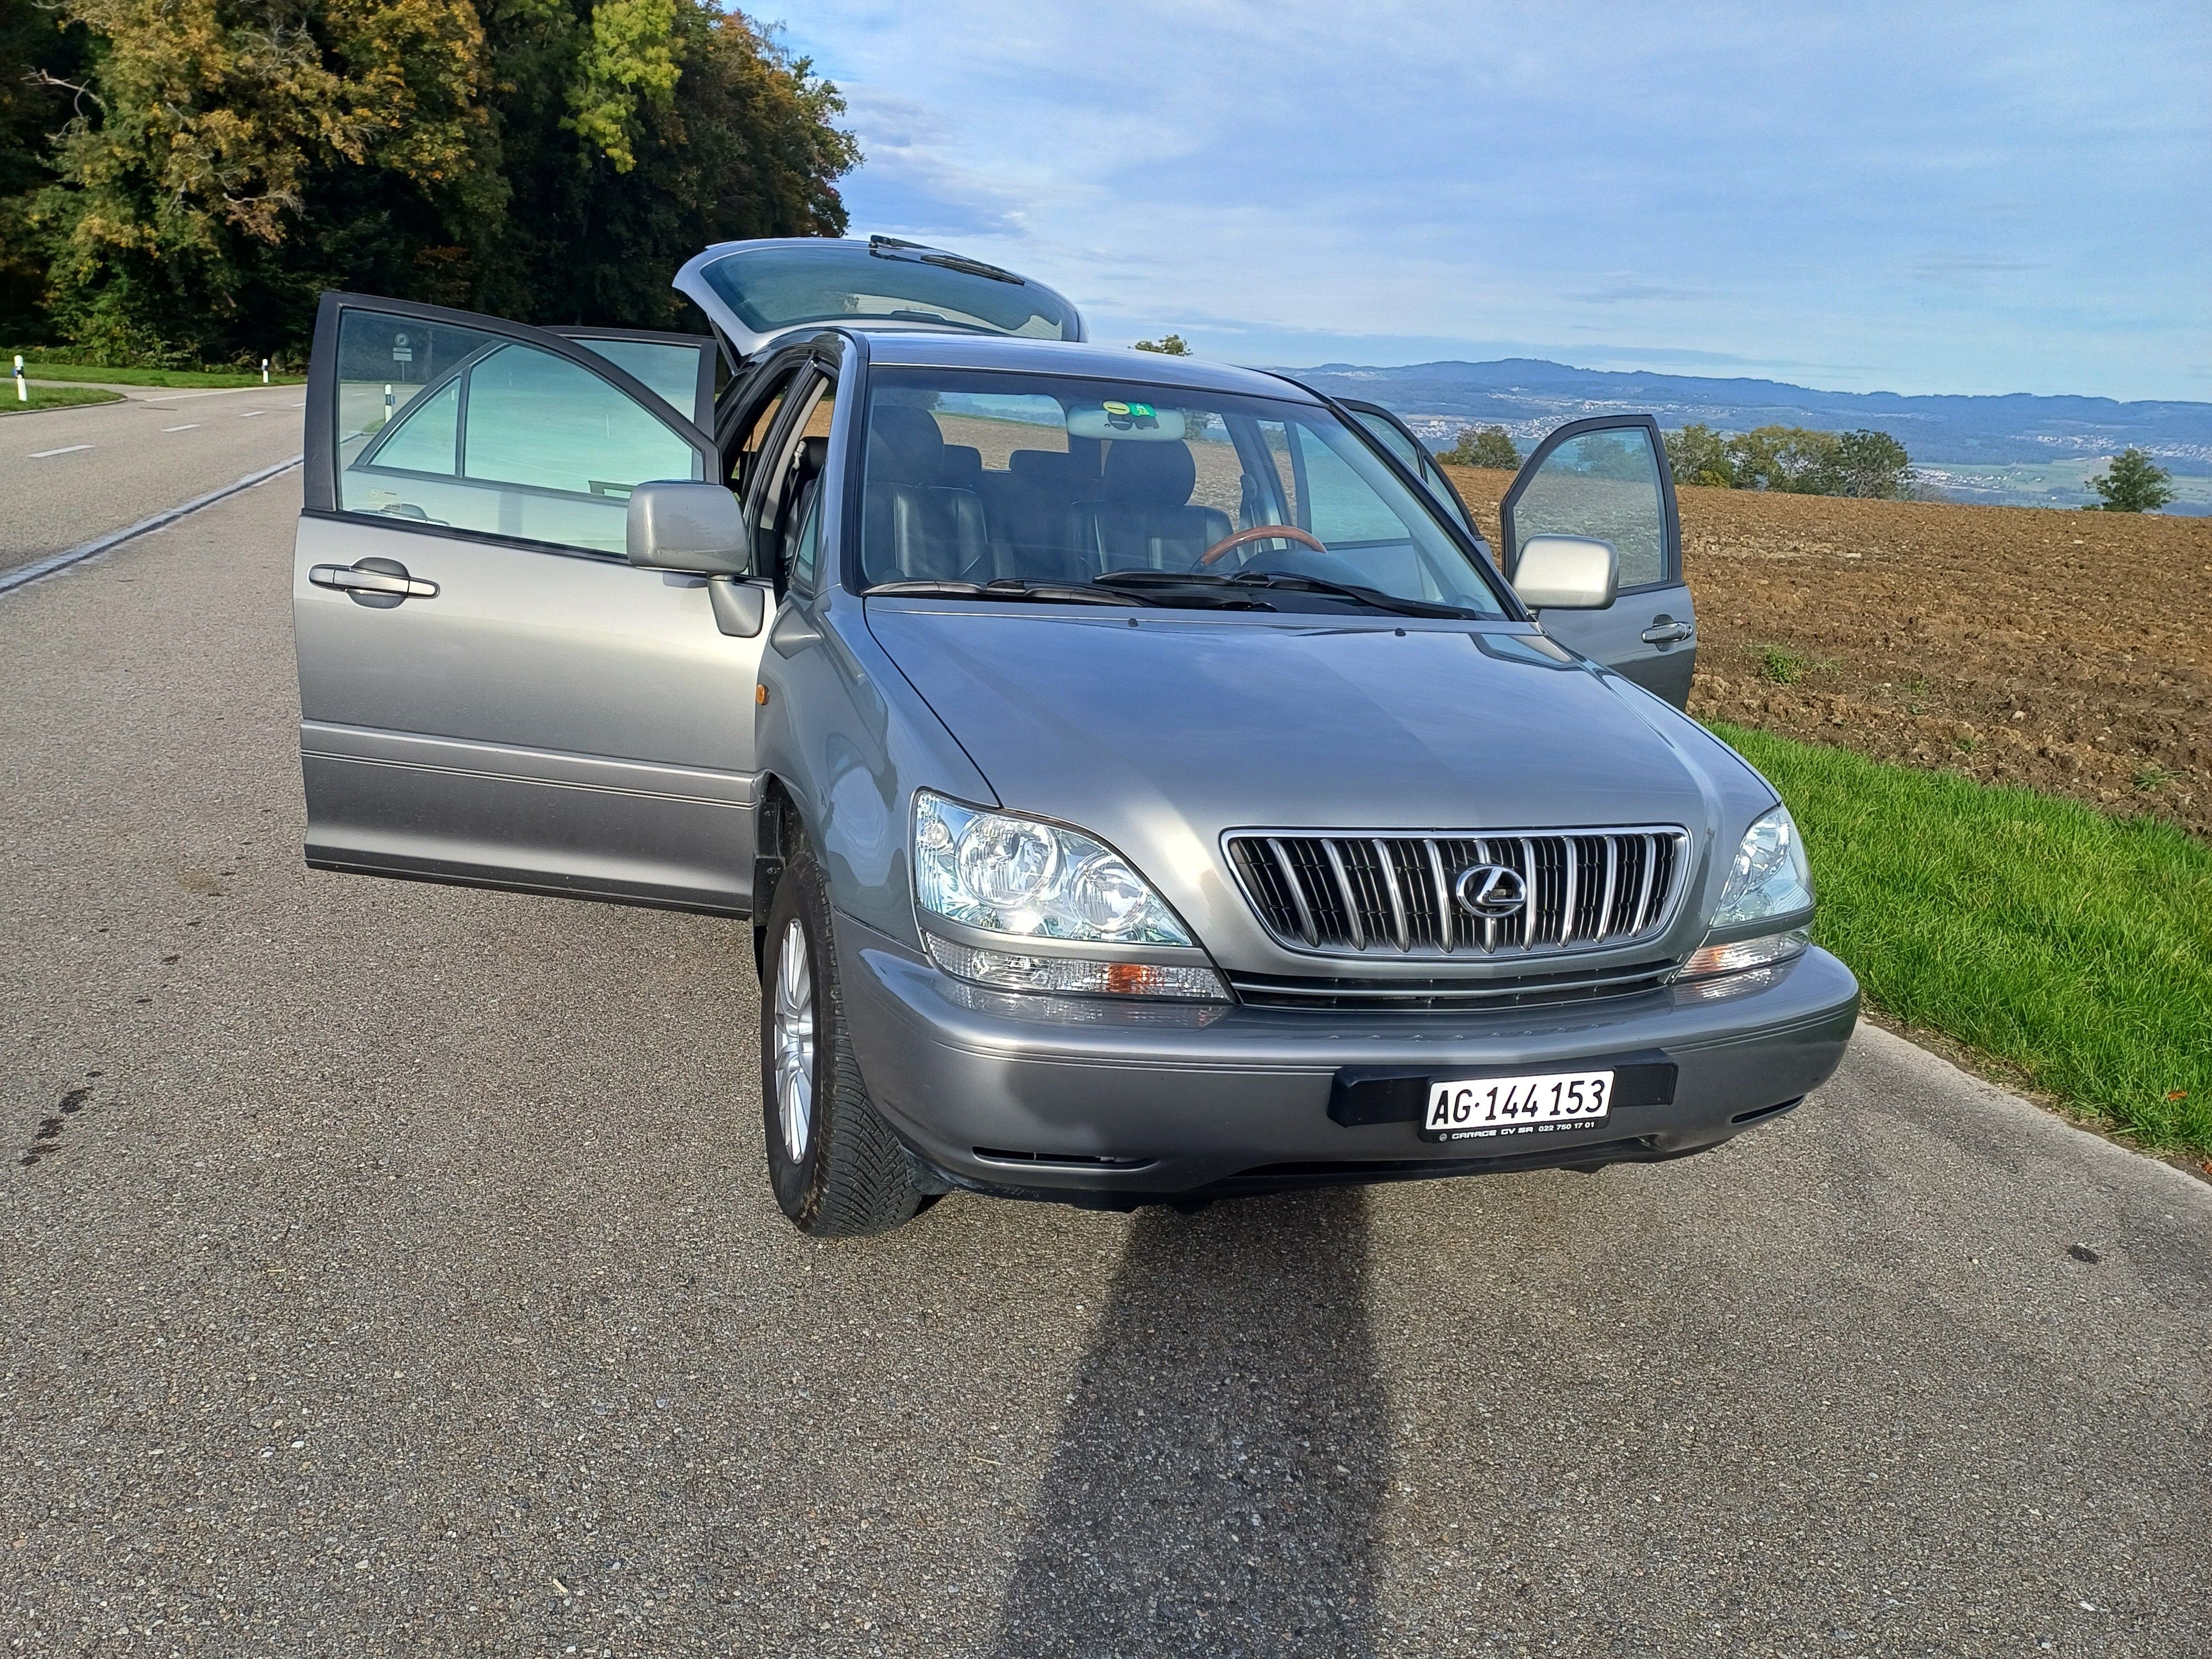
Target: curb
30 573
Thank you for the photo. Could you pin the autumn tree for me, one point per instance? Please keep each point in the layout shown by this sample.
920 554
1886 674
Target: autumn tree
548 159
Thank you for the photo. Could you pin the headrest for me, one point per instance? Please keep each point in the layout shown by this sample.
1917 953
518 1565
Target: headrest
1150 474
964 466
904 445
1045 468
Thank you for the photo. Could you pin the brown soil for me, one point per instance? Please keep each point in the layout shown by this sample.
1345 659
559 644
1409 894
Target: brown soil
2070 652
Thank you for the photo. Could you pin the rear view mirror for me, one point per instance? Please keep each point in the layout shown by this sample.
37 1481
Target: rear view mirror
1565 572
682 525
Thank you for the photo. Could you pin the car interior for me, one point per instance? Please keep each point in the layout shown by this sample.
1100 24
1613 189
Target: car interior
935 513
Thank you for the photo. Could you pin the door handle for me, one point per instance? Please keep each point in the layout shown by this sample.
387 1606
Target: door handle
1663 632
383 577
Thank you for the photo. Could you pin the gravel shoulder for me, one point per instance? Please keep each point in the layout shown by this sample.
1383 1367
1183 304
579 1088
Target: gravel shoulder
389 1268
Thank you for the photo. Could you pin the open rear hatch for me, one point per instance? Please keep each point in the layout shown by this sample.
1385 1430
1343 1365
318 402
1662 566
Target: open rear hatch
754 291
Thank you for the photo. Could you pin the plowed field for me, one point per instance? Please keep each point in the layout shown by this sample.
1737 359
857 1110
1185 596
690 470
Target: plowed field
2070 652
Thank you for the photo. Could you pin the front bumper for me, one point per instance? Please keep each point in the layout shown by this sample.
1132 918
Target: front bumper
1116 1102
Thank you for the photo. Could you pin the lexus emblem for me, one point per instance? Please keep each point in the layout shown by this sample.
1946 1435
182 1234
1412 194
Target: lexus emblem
1490 890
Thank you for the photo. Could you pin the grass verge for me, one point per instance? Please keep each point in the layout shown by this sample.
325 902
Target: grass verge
176 377
2076 947
54 397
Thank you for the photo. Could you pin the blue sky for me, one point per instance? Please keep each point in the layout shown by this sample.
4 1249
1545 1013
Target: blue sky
1926 197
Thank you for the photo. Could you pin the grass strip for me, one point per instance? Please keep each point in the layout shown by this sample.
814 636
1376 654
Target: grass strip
216 381
54 397
2076 946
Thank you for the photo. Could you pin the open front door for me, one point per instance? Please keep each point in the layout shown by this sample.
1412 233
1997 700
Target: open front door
489 692
1607 478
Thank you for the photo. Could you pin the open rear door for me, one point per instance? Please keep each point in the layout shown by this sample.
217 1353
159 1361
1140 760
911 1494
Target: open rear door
1607 478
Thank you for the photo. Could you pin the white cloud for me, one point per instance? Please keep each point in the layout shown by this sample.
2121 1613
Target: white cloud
1952 198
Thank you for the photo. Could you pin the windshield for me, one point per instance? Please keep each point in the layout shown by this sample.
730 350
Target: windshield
1138 493
781 285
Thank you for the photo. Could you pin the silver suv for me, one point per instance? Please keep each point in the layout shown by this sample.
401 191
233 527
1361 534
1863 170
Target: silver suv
1142 783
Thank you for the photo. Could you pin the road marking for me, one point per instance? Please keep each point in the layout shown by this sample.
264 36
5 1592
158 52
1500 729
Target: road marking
250 413
189 426
31 572
66 449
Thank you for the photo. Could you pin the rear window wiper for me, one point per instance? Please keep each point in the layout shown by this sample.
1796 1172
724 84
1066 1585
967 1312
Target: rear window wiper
1288 583
1007 588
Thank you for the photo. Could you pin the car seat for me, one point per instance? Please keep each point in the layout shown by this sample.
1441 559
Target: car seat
1145 521
916 525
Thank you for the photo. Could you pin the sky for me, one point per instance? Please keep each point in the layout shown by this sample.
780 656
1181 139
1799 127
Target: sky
1916 198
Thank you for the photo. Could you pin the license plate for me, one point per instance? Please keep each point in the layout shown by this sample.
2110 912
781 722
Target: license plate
1496 1108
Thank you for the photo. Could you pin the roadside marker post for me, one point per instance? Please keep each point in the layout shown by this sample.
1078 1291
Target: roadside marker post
22 390
265 371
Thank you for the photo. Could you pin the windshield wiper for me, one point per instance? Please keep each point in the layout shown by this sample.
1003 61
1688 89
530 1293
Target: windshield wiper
1006 588
1289 583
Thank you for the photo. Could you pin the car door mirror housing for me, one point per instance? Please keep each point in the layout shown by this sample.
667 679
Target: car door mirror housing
676 524
1567 573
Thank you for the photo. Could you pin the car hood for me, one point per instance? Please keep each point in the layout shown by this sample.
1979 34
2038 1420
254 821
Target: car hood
1160 734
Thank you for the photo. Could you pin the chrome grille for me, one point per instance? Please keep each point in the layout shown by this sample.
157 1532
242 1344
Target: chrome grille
1391 895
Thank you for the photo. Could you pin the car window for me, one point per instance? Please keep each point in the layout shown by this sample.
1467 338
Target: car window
982 477
1605 484
806 553
484 433
1393 439
670 368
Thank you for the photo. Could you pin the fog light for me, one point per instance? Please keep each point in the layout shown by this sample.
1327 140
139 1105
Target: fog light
1733 958
1007 970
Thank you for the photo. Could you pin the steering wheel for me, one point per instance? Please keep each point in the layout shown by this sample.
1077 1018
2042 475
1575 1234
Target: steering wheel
1258 532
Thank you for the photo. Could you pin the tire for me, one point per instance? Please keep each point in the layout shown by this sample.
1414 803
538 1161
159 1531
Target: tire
837 1169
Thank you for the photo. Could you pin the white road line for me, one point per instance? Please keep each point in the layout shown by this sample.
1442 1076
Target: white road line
66 449
251 413
31 572
189 426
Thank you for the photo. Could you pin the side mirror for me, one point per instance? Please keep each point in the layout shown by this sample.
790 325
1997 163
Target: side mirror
695 528
1567 573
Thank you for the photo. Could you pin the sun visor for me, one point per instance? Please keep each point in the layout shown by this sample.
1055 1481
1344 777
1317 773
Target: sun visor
1124 422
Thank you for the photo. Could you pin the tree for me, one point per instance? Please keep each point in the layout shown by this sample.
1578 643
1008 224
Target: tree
2131 483
1168 345
1872 466
1790 459
1491 446
552 160
43 63
1698 455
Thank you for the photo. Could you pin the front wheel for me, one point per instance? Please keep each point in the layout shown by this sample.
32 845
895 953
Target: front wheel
837 1168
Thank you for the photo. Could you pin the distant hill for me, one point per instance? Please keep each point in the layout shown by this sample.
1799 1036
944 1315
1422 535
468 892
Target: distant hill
2017 448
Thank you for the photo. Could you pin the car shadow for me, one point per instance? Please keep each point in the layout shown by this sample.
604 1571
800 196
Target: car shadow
1223 1455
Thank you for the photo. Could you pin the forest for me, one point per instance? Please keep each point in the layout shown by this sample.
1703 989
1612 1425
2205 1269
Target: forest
180 179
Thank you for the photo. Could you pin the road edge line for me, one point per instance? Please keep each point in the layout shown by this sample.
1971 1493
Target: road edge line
24 575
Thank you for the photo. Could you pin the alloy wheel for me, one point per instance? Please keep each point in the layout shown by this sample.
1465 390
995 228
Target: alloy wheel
794 1041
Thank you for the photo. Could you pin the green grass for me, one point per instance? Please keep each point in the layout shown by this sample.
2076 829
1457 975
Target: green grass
53 396
2077 947
177 377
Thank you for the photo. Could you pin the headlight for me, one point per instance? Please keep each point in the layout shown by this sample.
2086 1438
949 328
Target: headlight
1769 877
1024 880
1014 875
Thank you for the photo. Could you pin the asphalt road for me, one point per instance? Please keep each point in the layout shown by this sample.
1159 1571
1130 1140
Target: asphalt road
389 1269
70 475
